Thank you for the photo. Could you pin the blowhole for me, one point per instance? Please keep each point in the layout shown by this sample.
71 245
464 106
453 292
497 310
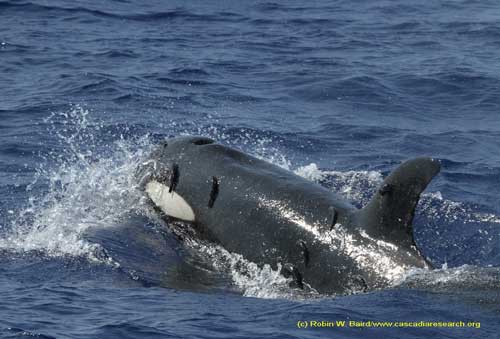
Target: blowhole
203 141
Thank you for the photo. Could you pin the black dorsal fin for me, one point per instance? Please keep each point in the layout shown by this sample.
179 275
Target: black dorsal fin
389 215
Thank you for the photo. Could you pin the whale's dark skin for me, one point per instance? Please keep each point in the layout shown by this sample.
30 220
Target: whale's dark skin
272 216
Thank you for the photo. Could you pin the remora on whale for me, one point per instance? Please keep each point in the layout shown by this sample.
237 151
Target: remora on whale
272 216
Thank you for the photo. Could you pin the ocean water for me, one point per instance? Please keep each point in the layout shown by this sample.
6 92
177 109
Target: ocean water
339 92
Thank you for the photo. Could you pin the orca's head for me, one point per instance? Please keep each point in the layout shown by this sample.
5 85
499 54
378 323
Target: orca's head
185 143
176 148
159 175
196 151
162 161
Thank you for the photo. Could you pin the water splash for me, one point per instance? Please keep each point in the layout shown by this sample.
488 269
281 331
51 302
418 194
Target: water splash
435 205
87 181
359 186
76 188
253 280
461 278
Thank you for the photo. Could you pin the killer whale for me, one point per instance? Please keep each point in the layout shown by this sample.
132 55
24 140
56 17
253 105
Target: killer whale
271 216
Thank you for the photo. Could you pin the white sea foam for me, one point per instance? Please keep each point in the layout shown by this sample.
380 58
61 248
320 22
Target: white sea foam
252 279
81 191
462 277
435 206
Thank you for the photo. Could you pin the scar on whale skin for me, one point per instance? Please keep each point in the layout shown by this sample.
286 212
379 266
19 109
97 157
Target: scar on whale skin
214 192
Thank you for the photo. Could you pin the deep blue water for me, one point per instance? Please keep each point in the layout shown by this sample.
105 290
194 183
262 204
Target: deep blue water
337 91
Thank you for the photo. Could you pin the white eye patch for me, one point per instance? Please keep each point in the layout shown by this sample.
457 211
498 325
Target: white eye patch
172 204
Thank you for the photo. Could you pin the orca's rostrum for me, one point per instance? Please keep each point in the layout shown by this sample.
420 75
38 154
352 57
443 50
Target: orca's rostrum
272 216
